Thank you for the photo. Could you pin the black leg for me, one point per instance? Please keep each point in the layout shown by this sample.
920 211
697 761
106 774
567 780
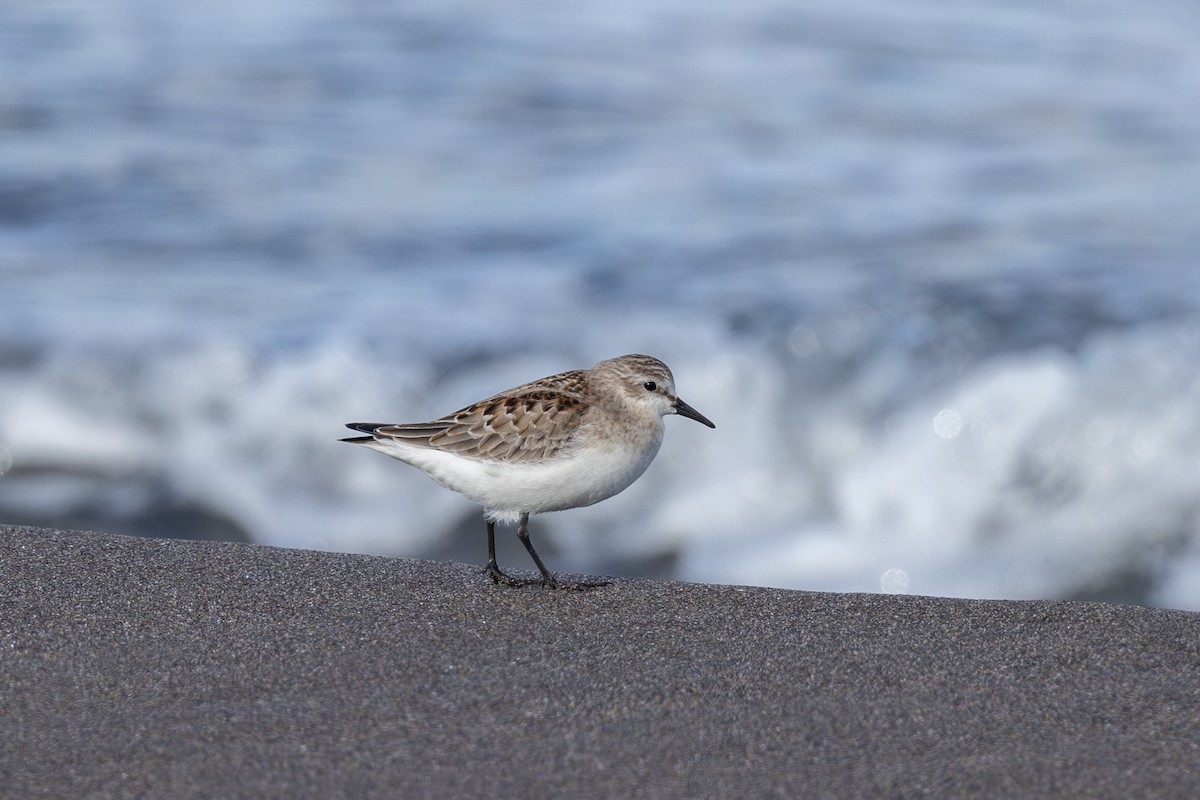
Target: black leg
523 535
547 579
492 569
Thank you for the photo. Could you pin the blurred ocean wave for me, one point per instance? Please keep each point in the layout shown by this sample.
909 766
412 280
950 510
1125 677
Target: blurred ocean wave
931 270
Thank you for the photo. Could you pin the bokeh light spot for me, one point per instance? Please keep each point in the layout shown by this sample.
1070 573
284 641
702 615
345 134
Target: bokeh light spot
894 581
948 423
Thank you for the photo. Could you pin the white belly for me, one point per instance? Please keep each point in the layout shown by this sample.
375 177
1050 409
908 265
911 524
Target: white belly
506 490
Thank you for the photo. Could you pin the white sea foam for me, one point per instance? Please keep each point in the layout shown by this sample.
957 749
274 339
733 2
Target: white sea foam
1069 474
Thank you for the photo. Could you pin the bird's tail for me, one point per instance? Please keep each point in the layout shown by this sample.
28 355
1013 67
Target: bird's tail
362 427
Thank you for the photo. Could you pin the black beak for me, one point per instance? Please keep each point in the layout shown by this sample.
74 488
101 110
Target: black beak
684 410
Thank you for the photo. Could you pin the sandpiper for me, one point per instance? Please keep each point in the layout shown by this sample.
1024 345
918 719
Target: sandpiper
565 441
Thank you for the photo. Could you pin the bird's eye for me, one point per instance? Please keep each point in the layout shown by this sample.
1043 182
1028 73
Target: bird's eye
650 386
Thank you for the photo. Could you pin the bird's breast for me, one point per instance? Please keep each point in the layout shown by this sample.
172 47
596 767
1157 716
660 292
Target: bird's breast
575 478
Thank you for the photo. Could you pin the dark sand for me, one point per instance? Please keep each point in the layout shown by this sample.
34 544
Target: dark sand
152 668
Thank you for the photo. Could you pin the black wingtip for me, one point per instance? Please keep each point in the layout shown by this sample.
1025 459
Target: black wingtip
365 427
358 439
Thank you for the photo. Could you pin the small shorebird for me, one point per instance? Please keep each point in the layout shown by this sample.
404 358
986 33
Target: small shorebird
565 441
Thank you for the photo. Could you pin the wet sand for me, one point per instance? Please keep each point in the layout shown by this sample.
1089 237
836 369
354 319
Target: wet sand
160 668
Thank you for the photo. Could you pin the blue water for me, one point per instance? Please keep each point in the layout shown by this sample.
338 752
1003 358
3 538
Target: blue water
930 268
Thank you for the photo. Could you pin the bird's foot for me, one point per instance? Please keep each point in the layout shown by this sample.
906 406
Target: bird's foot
547 580
499 577
578 586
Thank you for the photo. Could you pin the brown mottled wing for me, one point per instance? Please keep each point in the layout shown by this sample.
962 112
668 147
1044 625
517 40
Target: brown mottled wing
525 424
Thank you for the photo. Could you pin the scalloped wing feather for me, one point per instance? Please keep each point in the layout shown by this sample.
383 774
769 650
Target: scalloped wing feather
529 423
